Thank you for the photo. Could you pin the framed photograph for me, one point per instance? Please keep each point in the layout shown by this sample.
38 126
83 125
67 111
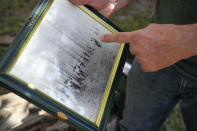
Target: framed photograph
58 62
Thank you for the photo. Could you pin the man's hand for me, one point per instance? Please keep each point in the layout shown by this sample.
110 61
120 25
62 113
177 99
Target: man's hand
105 7
159 45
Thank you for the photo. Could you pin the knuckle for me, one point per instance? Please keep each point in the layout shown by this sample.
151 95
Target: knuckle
137 50
134 52
140 60
147 67
144 68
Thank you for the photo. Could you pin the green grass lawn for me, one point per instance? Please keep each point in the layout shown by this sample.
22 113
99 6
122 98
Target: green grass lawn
14 13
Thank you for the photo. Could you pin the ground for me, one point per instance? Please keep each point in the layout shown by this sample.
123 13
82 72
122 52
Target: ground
14 12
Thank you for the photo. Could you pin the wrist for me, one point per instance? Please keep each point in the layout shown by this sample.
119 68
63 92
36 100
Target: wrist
188 39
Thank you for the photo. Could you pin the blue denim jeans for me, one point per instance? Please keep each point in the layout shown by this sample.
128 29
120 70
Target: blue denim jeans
150 98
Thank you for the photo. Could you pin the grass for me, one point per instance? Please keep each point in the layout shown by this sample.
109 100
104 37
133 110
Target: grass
13 14
175 121
2 50
132 18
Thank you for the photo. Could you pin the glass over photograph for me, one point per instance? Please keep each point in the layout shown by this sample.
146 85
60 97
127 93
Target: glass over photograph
64 59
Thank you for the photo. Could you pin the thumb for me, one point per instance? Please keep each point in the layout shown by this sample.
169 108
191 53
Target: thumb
108 10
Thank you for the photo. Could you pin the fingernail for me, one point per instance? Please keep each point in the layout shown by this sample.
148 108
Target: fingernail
102 38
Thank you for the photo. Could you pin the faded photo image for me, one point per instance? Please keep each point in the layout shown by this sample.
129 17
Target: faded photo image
65 59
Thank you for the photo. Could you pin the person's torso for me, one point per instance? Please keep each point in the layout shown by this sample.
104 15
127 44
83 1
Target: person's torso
179 12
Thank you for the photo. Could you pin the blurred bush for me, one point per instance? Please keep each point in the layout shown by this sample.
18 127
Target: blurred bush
13 13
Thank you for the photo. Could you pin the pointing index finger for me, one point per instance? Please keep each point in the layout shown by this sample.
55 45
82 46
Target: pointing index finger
116 37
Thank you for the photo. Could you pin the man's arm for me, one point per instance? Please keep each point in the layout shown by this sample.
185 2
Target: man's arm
159 45
105 7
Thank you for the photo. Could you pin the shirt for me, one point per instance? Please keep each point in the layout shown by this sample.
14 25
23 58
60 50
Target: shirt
179 12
